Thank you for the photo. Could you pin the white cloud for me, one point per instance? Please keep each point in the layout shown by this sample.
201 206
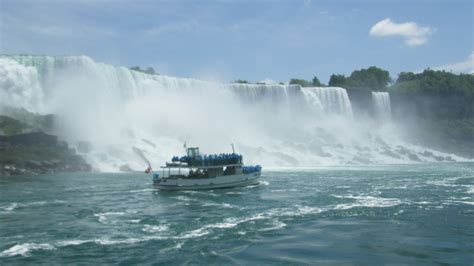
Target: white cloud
466 66
412 33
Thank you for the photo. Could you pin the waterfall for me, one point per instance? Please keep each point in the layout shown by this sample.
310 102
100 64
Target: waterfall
116 109
19 85
381 103
329 100
119 84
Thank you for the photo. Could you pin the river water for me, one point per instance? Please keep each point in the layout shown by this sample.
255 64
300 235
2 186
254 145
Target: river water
417 213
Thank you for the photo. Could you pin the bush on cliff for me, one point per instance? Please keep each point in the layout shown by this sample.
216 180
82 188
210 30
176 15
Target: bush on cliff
435 82
372 78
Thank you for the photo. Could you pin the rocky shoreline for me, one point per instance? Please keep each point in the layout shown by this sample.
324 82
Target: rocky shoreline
26 150
37 153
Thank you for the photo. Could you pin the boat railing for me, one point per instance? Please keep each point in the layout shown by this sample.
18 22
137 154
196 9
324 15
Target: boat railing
200 166
209 160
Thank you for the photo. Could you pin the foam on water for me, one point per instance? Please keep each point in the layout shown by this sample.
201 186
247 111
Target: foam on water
366 201
316 209
25 249
155 228
104 216
275 225
193 234
15 205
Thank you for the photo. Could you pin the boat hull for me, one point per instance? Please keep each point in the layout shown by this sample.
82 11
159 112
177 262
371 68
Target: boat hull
207 183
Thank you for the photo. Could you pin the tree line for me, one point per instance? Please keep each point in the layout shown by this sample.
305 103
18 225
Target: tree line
377 79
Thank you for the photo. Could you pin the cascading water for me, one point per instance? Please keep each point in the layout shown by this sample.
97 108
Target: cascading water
116 109
329 100
382 107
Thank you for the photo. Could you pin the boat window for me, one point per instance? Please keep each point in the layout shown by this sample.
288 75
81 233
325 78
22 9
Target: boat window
175 172
193 152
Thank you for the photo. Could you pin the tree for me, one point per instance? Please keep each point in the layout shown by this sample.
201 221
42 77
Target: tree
136 68
242 81
148 70
436 82
316 82
406 76
337 80
372 78
301 82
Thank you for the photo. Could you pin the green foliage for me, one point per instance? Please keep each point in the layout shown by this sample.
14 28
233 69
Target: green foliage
242 81
10 126
148 70
316 82
372 78
30 122
435 82
406 76
337 80
301 82
305 83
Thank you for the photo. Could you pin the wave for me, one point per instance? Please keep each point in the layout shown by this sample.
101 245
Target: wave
366 201
25 249
103 217
143 190
155 228
16 205
275 225
222 205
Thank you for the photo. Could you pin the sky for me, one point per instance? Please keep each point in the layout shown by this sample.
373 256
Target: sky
251 40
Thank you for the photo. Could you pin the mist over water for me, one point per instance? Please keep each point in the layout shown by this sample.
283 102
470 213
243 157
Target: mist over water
115 109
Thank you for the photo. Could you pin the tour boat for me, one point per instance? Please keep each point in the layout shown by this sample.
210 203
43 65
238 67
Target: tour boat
195 171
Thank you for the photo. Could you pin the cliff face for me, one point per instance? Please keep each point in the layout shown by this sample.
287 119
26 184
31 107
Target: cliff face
431 106
25 149
443 122
361 100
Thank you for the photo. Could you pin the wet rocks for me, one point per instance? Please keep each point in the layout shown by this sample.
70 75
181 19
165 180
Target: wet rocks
37 153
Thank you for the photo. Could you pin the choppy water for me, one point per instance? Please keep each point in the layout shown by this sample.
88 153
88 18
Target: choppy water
357 214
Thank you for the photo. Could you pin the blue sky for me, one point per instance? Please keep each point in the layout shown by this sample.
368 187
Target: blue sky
253 40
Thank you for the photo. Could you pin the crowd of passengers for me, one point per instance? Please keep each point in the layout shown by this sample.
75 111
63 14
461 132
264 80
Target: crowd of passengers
210 160
251 169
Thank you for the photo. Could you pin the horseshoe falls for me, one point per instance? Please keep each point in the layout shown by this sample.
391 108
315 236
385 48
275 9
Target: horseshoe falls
113 109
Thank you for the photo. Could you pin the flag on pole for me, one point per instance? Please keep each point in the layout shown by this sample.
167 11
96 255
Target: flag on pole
148 169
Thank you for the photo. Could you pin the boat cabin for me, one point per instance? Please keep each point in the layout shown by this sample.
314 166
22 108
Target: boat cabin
193 152
195 165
